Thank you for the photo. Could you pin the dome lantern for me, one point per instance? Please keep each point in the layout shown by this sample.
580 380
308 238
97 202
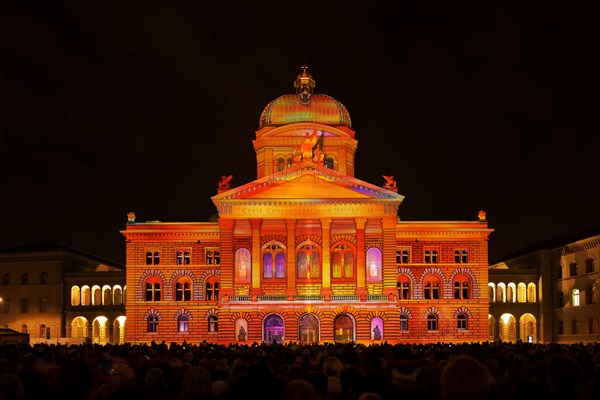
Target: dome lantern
305 86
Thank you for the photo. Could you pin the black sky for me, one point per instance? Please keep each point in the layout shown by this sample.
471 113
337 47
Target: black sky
108 107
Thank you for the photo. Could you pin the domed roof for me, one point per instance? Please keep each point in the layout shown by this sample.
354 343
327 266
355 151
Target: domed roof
304 106
321 108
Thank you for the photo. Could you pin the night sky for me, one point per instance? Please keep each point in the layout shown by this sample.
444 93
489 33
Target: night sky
108 107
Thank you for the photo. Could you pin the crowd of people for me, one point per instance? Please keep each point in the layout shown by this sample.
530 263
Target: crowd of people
161 371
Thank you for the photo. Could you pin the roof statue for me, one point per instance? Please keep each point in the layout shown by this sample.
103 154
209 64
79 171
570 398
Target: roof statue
390 183
481 216
224 184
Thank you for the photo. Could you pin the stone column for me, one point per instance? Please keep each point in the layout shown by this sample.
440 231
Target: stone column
256 270
227 259
291 289
389 225
326 260
361 287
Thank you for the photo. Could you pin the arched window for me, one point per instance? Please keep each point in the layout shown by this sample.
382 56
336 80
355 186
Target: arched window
461 287
374 263
492 291
461 322
24 278
217 255
179 257
329 163
501 292
183 323
403 284
152 324
273 261
431 287
531 297
280 164
575 297
24 328
209 257
213 323
403 322
521 292
96 295
117 296
212 287
376 329
75 296
243 265
106 295
461 256
432 322
153 289
183 289
309 261
342 262
42 331
511 292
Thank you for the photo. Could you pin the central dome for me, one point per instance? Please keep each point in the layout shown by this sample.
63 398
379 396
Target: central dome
321 108
304 106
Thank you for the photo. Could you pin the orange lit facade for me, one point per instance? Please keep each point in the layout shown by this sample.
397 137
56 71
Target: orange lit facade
307 252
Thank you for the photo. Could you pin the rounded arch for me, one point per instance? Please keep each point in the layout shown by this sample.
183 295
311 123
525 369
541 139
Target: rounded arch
344 328
96 295
243 265
492 327
308 260
374 264
309 328
273 256
528 328
501 292
107 295
343 260
241 329
79 329
117 295
508 328
511 292
492 292
433 271
521 293
99 331
75 296
531 292
149 274
468 273
86 295
273 328
119 329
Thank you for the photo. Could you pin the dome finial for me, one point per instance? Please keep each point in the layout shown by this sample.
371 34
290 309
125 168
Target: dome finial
305 85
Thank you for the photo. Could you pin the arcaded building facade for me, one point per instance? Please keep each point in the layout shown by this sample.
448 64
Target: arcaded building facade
548 292
58 294
307 252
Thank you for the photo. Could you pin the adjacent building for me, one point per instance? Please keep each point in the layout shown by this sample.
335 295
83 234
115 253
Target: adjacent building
56 294
548 292
307 252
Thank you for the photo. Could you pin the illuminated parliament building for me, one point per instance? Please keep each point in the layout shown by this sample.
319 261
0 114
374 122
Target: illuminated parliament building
307 252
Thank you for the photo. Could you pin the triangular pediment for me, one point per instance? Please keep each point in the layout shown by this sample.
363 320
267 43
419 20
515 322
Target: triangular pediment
308 181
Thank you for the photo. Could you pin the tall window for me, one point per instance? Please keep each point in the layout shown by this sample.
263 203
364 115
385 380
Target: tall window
44 305
212 287
461 288
309 261
342 262
213 257
243 265
374 264
431 288
183 289
432 322
152 324
402 256
273 261
575 297
153 289
404 287
431 257
461 322
589 266
43 278
217 257
183 323
24 278
25 305
573 269
403 322
6 279
213 323
153 257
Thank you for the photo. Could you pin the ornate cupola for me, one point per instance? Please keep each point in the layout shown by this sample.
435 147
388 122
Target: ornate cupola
305 86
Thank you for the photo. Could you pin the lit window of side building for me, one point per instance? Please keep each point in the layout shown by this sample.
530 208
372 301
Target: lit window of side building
307 252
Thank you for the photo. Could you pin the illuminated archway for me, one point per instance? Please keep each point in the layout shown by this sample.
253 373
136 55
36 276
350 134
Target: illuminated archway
527 328
492 326
86 296
79 329
308 329
119 329
75 296
99 334
508 328
274 329
343 329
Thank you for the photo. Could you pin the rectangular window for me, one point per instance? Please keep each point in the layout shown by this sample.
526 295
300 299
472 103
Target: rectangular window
403 255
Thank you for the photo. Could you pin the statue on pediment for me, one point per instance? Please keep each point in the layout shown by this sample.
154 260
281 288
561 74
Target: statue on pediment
390 182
